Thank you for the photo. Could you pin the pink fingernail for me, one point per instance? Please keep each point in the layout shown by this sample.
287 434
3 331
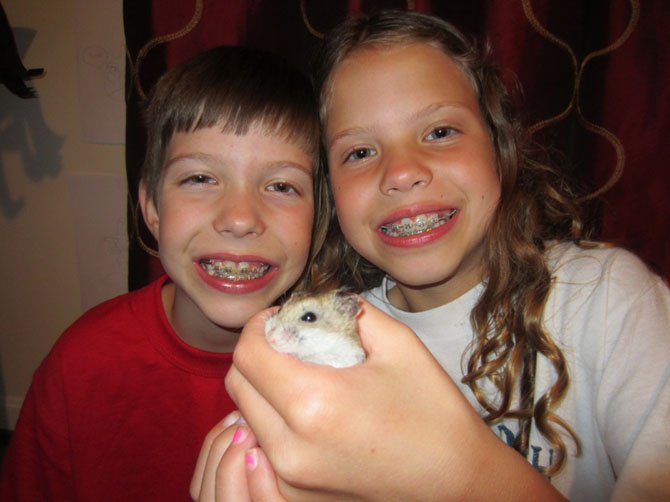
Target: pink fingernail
251 459
239 435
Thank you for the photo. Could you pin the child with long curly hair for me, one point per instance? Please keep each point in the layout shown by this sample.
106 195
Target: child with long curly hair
447 222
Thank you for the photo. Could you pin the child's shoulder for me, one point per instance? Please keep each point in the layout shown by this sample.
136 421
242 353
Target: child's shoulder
122 312
600 267
132 300
567 258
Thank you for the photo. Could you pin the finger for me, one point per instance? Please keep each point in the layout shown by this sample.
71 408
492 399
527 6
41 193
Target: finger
280 379
261 478
262 417
203 482
231 480
199 471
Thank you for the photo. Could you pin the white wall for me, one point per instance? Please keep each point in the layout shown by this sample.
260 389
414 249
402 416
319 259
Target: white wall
53 224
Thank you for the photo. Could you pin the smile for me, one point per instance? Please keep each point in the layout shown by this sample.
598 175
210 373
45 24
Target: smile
419 224
232 271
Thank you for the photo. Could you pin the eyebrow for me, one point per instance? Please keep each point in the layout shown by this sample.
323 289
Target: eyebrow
347 132
197 156
308 170
435 107
208 159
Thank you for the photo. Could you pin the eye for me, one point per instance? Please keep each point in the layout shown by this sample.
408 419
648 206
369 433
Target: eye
440 133
199 179
360 154
308 317
282 187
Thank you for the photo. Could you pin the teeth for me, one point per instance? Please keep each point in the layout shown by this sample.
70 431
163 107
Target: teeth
232 271
417 225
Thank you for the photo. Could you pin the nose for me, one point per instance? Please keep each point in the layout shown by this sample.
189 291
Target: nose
238 213
403 172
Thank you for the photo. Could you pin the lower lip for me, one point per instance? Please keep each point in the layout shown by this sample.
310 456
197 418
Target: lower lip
237 287
414 241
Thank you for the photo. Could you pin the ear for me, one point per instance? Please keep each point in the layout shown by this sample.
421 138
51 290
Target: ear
348 305
149 210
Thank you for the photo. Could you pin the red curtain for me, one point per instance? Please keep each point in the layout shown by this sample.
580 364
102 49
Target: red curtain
594 75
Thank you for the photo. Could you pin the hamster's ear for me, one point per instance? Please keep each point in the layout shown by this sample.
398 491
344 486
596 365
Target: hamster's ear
348 305
149 210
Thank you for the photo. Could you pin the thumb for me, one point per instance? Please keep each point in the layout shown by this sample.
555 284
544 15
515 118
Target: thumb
382 335
257 322
253 336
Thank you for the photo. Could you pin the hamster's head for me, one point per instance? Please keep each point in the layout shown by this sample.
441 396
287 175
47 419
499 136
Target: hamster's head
306 322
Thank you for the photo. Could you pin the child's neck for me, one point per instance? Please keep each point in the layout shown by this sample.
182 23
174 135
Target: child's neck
419 299
196 330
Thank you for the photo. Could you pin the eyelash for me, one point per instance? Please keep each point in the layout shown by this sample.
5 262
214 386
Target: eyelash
198 179
203 179
448 131
353 155
350 156
275 187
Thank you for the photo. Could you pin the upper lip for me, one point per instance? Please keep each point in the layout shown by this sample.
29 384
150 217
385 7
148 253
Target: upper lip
415 210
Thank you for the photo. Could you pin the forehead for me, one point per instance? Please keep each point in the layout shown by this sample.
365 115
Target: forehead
276 132
259 146
393 78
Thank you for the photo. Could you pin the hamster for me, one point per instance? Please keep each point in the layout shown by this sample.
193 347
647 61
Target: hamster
318 328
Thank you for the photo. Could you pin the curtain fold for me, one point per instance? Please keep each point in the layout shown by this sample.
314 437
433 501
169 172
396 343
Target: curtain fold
594 77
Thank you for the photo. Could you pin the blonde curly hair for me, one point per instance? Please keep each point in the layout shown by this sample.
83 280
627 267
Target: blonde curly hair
535 207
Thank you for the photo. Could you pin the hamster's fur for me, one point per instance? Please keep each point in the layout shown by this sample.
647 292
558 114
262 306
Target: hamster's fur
319 328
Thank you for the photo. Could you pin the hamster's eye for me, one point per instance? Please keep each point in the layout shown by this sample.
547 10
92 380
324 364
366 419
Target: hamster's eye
308 317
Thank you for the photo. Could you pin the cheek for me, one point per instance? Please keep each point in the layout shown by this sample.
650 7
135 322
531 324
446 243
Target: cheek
170 226
346 192
299 233
187 211
491 190
345 207
489 198
356 207
494 186
479 176
350 222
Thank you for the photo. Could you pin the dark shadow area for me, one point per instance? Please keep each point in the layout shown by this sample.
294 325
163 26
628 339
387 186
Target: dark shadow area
5 437
4 420
5 434
25 135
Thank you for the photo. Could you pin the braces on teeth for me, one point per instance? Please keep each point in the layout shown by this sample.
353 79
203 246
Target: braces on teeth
232 271
422 223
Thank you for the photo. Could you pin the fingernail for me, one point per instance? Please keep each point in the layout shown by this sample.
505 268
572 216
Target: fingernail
240 434
251 459
231 418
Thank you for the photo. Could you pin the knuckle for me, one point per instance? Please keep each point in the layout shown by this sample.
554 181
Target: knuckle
295 470
312 414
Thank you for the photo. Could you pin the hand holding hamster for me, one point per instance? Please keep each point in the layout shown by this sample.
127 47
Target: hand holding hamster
318 328
304 416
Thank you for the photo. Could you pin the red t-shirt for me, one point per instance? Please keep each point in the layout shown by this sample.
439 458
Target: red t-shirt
118 410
